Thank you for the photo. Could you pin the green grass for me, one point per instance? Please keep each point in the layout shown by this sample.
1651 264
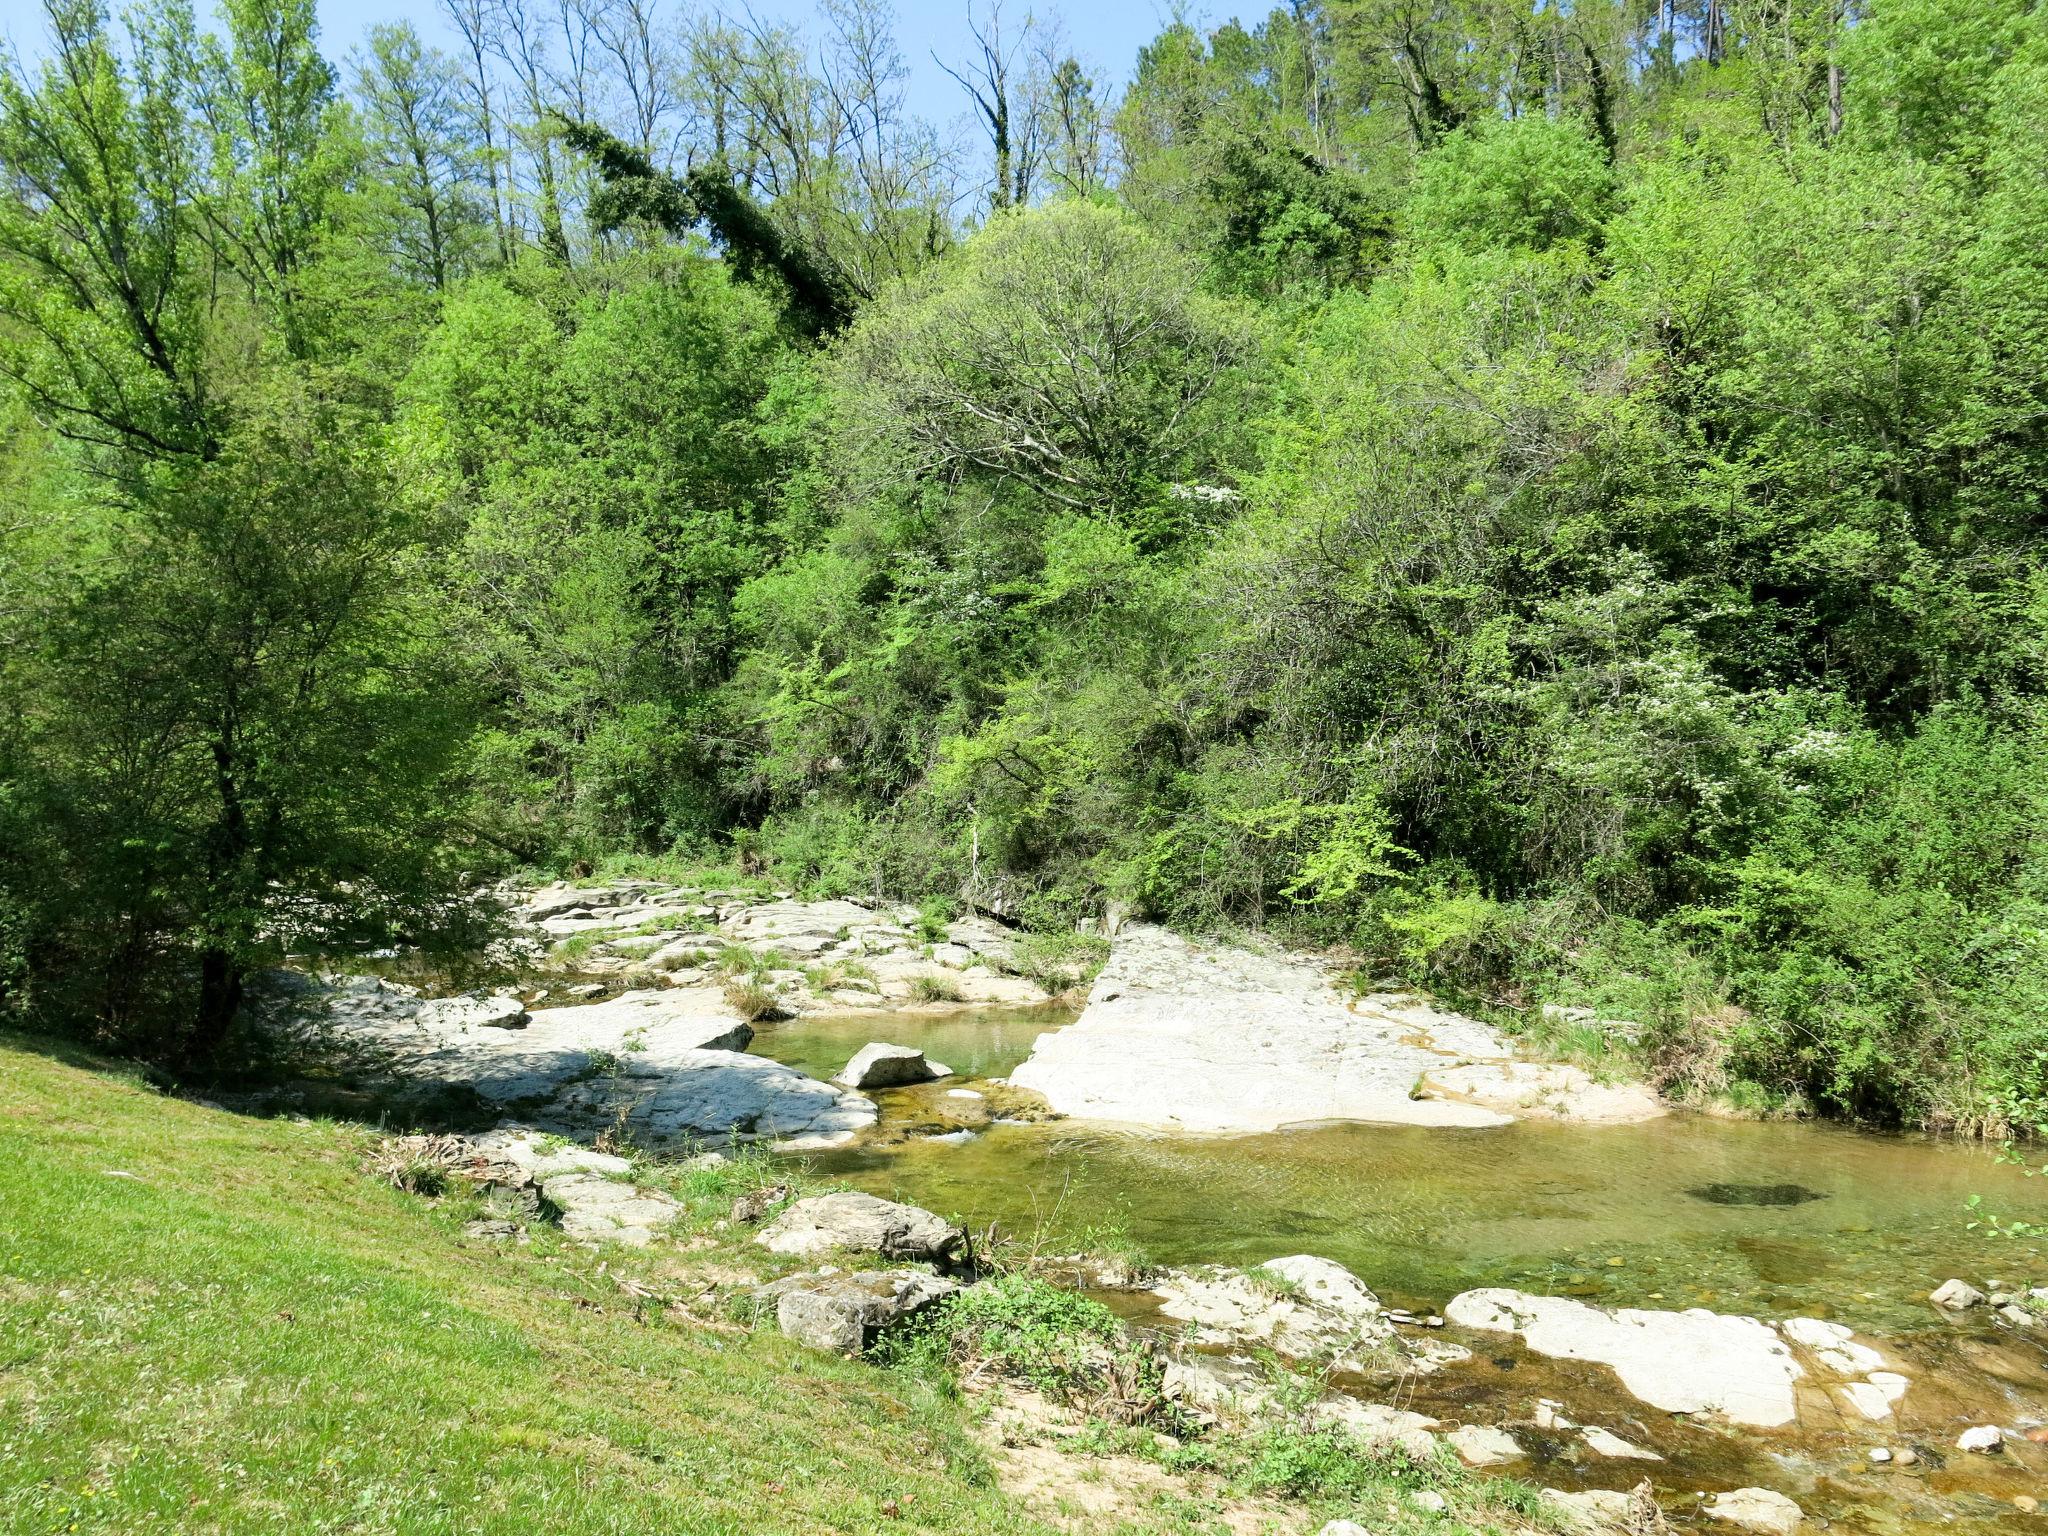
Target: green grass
251 1334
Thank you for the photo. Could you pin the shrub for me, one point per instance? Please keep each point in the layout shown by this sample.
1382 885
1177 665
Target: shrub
936 987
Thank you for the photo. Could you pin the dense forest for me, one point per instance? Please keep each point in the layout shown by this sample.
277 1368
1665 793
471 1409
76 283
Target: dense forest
1551 497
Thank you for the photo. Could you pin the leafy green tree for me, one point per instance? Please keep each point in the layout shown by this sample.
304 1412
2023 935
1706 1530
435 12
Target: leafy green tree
240 728
1067 351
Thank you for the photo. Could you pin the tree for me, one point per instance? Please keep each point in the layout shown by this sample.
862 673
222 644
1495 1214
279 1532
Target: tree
1068 351
423 157
242 726
105 284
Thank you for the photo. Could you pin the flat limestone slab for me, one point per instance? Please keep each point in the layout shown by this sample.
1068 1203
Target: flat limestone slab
1183 1038
1683 1362
668 1064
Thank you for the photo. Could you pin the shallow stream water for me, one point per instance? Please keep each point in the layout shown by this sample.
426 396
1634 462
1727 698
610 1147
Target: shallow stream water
1772 1220
1776 1219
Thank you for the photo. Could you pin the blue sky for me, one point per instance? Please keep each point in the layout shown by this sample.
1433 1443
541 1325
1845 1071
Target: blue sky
1105 33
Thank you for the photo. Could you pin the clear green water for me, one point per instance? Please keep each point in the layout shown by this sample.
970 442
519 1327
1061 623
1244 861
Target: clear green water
1421 1214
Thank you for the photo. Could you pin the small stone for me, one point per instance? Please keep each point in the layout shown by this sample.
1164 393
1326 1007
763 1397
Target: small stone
2026 1504
1881 1456
1987 1439
1429 1499
1906 1457
757 1203
2019 1317
1957 1296
1343 1528
1757 1509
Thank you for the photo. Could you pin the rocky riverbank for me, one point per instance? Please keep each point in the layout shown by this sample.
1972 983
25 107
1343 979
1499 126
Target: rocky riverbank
1626 1419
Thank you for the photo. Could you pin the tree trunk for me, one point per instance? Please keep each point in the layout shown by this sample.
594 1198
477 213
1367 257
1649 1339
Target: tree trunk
220 999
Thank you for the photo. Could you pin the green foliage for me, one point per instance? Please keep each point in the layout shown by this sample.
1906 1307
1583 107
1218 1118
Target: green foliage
1530 182
1560 517
1065 1345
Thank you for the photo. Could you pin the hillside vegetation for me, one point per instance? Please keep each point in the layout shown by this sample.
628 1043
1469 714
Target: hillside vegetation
1549 498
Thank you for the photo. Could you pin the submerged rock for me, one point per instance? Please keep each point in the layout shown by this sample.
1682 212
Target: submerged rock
880 1065
1604 1442
1757 1509
857 1223
1479 1445
842 1313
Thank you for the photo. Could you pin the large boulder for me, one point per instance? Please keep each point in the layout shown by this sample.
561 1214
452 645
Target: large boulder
850 1222
880 1065
842 1313
1185 1037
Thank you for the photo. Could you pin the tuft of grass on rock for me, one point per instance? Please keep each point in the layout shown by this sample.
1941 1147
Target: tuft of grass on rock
935 987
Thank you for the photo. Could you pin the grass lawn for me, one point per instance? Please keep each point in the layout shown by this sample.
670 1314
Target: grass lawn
210 1323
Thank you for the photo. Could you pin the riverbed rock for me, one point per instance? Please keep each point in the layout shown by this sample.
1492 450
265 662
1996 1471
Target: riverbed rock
1957 1296
540 1157
1544 1090
880 1065
1297 1306
1682 1362
495 1012
666 1065
842 1313
1593 1509
693 1097
1604 1442
604 1210
1218 1039
858 1223
1985 1439
781 924
1380 1425
1481 1445
1833 1345
1757 1509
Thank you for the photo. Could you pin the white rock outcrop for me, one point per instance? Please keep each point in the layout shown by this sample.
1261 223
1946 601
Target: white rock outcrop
666 1064
1682 1362
1739 1368
1183 1037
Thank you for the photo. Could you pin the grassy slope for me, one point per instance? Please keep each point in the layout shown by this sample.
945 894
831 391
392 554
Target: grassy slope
249 1335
